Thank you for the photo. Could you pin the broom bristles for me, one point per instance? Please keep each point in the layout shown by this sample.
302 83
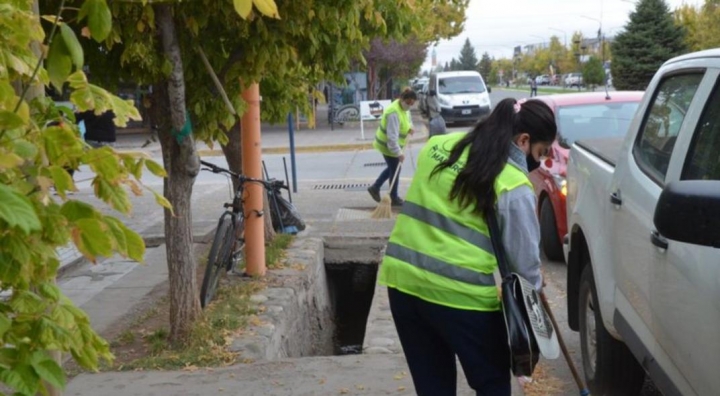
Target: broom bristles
384 209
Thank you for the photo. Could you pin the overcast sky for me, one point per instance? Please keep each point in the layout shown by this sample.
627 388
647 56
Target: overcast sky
496 26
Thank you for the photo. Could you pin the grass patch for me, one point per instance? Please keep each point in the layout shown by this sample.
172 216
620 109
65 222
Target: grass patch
207 345
276 251
146 345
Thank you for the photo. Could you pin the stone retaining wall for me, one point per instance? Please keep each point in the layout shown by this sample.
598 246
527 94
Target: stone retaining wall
295 312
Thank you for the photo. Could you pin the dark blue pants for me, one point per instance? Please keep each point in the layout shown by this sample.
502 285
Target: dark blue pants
387 175
432 335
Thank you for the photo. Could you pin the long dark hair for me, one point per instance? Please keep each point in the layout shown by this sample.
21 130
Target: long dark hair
489 144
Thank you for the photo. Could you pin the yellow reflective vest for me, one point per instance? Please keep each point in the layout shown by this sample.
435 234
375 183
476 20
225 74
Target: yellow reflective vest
438 251
381 138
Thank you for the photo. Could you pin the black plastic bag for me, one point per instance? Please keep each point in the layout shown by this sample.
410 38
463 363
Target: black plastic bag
283 213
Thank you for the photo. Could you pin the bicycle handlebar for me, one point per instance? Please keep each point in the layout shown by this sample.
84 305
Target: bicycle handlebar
242 178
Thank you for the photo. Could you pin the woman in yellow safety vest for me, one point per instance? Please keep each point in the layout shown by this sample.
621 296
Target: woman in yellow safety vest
439 262
390 139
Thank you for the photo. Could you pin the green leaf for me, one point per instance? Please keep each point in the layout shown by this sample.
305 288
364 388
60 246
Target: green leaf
73 45
62 179
155 168
10 161
115 195
77 210
58 63
93 239
25 149
117 229
21 378
10 120
49 290
104 162
135 245
26 302
99 18
243 7
124 111
17 210
49 371
5 324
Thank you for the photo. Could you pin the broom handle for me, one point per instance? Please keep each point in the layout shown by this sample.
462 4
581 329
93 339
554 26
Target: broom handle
580 383
395 176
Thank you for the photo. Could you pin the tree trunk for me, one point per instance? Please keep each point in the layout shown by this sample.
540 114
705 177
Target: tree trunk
182 164
233 156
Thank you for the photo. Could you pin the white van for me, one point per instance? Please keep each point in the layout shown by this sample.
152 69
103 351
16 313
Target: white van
463 95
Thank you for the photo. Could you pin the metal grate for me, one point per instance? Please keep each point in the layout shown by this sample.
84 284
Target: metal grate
374 164
351 186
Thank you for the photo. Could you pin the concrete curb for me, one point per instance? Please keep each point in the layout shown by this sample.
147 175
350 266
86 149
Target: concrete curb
312 149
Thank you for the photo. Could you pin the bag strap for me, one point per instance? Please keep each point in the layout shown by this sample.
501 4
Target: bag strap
496 239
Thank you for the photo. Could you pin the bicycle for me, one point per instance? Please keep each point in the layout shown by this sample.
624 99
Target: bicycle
229 240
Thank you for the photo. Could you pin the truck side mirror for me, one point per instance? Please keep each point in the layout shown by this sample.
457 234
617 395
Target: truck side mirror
489 89
689 211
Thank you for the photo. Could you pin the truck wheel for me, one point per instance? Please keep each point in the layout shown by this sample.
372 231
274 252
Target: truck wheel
548 232
610 368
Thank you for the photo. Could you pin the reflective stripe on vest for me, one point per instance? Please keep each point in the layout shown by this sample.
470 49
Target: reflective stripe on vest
380 142
438 267
439 251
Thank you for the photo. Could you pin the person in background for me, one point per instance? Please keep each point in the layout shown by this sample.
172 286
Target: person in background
99 129
436 124
533 87
439 261
390 139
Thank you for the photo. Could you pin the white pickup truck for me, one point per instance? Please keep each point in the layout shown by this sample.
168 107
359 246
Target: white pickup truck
643 248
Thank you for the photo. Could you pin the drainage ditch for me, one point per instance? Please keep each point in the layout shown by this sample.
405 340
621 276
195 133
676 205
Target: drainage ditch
351 267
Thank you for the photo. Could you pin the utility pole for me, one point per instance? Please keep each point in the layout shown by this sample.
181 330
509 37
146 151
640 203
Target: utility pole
252 167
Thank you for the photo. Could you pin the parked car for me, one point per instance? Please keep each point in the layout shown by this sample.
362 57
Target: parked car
643 281
542 80
589 115
574 80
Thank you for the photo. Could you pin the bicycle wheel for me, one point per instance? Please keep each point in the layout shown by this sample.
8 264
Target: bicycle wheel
238 243
217 259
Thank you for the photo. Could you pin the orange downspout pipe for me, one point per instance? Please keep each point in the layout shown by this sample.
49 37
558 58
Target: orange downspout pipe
252 167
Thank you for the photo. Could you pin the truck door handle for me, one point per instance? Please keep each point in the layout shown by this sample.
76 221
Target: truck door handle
658 240
615 198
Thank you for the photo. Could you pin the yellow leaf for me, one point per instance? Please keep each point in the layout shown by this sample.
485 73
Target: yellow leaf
267 8
140 26
162 201
243 7
10 160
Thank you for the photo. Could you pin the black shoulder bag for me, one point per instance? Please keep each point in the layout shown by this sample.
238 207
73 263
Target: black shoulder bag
524 351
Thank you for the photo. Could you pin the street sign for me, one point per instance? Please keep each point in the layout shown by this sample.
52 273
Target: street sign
371 110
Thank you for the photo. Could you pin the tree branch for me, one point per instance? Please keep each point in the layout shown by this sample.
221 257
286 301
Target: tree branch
235 56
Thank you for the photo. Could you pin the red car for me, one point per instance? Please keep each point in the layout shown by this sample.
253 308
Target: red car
581 116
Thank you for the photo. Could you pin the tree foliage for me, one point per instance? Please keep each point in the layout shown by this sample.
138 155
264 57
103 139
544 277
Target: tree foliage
38 143
467 60
287 49
702 24
593 72
485 67
649 39
389 59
